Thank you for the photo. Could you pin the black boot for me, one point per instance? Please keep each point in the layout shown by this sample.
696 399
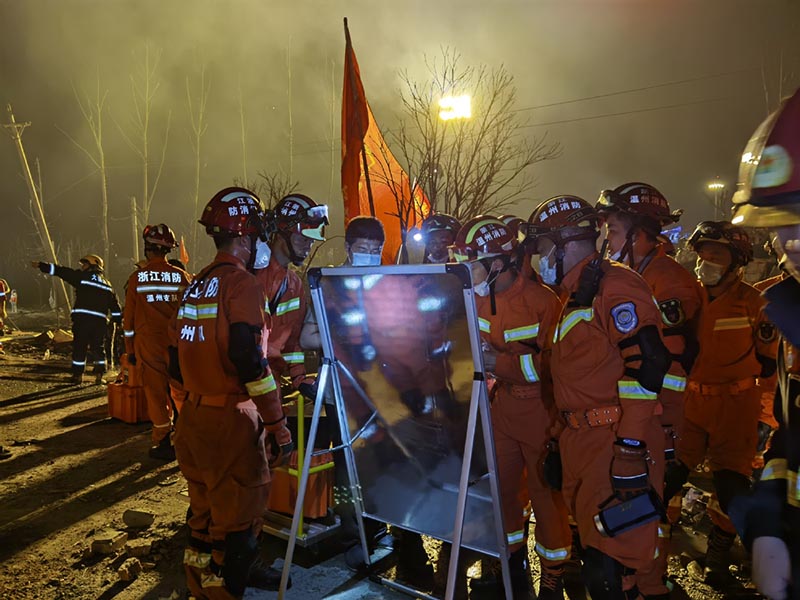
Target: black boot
716 572
551 585
413 563
163 451
76 379
264 577
520 568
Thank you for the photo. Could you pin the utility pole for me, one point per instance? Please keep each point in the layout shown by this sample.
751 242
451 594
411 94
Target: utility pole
135 229
16 130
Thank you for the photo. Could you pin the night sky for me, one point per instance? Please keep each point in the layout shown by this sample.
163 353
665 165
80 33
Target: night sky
662 91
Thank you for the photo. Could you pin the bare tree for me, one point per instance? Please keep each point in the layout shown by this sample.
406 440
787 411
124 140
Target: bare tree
92 109
144 86
270 187
466 166
197 118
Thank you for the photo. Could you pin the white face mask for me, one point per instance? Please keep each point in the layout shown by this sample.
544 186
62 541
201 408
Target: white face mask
360 259
263 254
546 272
615 255
482 289
708 272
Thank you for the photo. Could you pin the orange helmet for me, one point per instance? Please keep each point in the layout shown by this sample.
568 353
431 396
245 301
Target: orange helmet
159 235
723 232
559 217
234 212
769 175
641 201
482 237
297 213
512 222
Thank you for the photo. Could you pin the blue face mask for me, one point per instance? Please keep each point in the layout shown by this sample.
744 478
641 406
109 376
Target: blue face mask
360 259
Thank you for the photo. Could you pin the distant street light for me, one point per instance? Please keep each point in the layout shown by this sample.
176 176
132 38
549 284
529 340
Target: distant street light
455 107
717 187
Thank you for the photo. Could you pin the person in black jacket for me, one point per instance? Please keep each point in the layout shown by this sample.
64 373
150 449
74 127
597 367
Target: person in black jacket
94 300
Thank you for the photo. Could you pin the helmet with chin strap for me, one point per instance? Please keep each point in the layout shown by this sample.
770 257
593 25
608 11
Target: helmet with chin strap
562 219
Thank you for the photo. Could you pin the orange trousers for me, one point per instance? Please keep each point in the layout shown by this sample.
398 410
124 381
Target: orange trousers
722 429
155 381
521 428
221 453
586 456
651 580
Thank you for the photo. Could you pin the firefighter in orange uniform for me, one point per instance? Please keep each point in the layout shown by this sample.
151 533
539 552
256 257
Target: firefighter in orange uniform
151 301
438 231
722 403
608 367
232 412
767 423
516 317
298 222
635 213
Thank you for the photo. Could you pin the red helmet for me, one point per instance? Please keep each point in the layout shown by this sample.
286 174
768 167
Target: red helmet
482 237
723 232
233 212
512 222
440 222
159 235
297 213
641 201
769 174
559 217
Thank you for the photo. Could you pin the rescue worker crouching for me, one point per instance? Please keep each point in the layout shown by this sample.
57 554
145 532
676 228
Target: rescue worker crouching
769 197
516 318
94 300
635 214
151 302
722 402
608 365
232 414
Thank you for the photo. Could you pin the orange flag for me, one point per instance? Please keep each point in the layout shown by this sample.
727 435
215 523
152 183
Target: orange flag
184 253
372 179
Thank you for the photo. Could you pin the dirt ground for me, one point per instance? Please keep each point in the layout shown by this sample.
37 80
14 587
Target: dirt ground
74 472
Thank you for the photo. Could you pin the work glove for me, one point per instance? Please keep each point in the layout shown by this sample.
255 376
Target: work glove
772 567
764 434
670 459
279 444
553 472
43 267
489 357
308 388
629 468
132 360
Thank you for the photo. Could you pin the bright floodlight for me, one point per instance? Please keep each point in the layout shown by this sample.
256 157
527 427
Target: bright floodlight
417 237
716 185
455 107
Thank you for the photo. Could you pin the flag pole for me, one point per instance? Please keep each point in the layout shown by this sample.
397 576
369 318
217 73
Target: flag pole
363 148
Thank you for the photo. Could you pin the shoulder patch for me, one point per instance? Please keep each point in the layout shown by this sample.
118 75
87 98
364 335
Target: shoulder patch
672 312
624 315
767 332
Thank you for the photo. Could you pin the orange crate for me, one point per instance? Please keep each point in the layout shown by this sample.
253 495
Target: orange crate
128 373
127 403
319 492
